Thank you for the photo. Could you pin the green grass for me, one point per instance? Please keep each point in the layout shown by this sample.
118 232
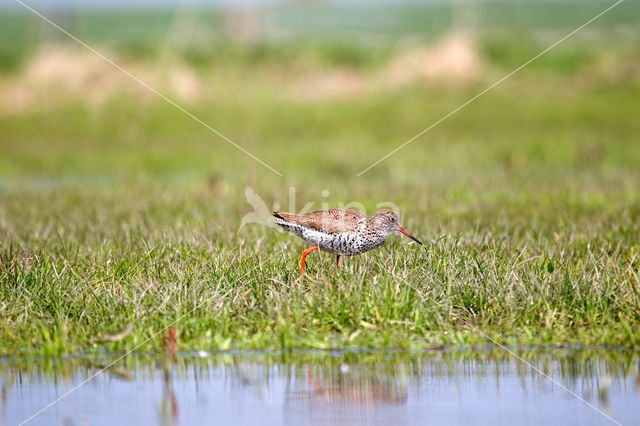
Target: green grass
128 212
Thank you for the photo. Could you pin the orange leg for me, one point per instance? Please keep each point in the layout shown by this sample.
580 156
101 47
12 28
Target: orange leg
337 261
304 257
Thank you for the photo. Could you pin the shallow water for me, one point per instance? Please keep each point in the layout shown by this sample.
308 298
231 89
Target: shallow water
444 388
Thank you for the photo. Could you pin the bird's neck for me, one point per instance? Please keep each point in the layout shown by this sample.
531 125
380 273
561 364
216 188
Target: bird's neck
377 229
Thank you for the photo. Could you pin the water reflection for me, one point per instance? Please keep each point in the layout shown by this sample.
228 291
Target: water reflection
169 406
169 411
480 387
354 385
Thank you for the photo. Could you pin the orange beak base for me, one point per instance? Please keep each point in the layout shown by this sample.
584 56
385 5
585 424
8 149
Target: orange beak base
404 231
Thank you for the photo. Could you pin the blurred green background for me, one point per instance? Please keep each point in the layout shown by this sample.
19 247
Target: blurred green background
318 90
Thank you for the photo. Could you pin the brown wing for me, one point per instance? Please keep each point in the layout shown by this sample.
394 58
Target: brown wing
331 221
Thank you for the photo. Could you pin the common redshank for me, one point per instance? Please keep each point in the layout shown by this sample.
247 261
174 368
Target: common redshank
342 232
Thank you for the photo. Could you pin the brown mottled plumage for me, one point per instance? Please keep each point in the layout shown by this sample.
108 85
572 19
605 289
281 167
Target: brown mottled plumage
332 221
341 231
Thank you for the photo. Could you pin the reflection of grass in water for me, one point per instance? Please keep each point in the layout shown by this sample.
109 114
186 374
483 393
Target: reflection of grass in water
320 381
322 370
126 212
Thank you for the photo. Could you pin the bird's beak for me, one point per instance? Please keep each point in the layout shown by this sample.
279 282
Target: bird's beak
404 231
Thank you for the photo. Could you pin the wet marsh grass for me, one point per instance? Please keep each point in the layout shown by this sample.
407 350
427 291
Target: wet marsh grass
68 281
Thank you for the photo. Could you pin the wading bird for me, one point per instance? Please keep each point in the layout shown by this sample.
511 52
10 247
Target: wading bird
342 232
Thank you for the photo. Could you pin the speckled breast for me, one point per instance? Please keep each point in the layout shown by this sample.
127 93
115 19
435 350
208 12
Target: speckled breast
347 244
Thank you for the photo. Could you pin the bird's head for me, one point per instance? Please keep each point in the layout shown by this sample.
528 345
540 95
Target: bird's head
389 221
